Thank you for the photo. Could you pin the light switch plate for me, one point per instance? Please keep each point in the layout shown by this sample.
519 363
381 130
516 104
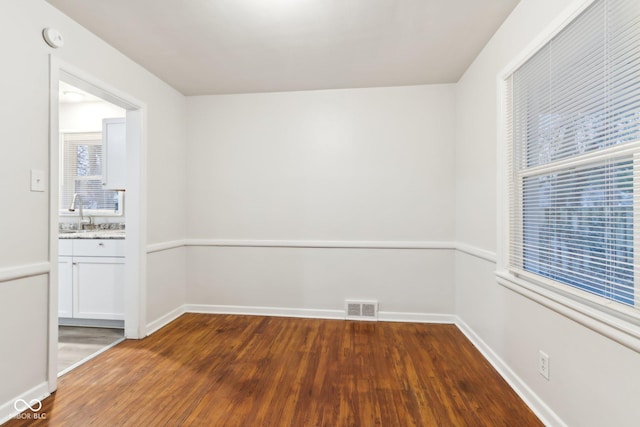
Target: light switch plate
38 182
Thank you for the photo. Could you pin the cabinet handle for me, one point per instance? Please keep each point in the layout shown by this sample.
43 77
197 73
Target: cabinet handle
100 244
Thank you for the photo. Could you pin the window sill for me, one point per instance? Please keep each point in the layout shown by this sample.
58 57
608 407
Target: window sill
622 328
90 213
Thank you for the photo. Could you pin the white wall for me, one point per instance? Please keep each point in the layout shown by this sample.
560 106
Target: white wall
592 377
339 165
166 293
24 108
403 281
23 330
87 116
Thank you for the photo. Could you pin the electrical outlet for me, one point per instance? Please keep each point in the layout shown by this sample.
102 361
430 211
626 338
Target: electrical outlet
543 364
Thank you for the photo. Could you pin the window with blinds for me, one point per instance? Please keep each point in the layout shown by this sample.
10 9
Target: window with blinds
82 174
574 153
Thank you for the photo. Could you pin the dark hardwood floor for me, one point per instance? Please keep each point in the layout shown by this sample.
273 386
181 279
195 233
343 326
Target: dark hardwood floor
223 370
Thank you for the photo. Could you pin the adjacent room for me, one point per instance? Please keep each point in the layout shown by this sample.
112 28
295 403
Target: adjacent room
91 224
320 213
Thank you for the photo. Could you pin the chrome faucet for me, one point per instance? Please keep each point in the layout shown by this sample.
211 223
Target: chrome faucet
77 199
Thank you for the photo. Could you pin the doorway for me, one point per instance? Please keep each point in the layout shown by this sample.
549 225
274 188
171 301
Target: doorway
133 248
92 214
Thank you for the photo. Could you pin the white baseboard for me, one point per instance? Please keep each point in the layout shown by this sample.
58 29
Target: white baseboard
91 323
392 316
537 405
165 320
8 409
384 316
265 311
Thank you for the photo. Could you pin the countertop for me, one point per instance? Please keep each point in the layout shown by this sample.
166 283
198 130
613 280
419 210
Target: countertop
92 234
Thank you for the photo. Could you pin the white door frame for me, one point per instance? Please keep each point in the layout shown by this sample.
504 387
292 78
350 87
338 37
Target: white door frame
136 202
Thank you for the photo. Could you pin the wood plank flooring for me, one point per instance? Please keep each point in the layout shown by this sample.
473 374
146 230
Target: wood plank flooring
223 370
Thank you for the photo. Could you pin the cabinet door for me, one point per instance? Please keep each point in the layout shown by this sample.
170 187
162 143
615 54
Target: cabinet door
114 154
98 286
65 287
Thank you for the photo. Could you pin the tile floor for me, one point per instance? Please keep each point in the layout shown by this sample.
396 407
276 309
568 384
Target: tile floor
76 344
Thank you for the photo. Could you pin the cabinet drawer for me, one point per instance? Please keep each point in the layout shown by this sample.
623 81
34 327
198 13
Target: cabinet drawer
98 247
65 247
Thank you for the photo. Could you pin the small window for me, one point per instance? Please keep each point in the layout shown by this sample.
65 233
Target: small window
574 157
82 174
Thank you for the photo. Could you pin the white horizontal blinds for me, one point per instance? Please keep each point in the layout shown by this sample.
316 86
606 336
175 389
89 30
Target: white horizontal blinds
578 228
623 29
576 132
82 173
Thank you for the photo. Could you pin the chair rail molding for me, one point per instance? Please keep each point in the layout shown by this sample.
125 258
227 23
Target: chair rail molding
8 274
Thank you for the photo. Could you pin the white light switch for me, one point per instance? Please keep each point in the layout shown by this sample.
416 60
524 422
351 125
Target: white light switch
37 180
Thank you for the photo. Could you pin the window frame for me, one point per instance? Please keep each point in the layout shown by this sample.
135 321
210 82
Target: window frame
63 211
612 319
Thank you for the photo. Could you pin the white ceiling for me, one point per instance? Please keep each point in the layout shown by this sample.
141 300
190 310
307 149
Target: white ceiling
68 94
237 46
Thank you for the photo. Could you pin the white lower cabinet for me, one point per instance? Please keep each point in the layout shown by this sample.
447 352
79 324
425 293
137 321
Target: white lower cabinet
65 286
92 287
98 288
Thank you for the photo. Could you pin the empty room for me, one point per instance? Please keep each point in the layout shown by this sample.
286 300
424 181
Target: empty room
320 213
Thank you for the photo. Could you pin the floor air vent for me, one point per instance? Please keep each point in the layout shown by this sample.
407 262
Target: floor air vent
362 310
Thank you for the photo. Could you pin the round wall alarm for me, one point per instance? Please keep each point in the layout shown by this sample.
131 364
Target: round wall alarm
53 37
